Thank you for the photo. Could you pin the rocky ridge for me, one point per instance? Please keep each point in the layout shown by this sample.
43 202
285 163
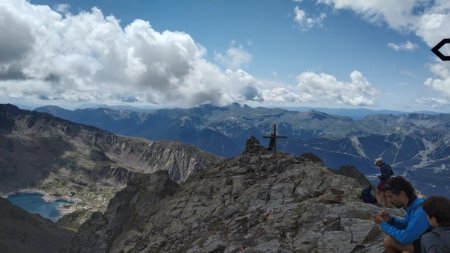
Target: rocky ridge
255 202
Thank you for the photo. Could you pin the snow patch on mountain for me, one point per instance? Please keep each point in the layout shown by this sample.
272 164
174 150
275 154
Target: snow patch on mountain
441 168
358 146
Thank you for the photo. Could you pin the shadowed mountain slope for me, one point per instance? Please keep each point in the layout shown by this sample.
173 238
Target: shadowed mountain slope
22 232
82 162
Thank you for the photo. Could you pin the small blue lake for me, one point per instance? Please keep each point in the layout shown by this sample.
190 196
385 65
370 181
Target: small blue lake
32 202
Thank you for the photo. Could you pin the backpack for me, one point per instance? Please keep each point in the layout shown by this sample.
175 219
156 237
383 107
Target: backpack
367 195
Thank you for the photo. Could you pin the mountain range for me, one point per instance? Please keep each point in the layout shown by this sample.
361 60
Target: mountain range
137 195
83 163
415 144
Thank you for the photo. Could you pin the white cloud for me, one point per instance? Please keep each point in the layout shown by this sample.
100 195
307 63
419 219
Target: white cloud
429 20
321 88
306 22
397 14
235 58
63 8
441 80
406 46
324 87
282 95
16 39
433 26
434 102
90 58
46 56
299 14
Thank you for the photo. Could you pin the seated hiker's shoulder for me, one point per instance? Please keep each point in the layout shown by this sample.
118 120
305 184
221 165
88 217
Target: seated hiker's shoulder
436 238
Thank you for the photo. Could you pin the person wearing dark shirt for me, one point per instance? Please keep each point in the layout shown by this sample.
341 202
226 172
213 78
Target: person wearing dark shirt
385 173
437 209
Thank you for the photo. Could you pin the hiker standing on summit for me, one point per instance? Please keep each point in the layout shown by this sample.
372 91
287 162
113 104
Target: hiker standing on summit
386 173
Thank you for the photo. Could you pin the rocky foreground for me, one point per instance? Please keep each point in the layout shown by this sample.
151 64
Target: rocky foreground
256 202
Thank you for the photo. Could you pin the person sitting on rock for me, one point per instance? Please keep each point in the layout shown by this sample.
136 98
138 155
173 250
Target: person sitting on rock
437 209
402 234
386 173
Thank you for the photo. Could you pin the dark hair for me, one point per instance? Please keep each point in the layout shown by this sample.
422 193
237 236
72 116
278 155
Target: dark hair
398 184
439 208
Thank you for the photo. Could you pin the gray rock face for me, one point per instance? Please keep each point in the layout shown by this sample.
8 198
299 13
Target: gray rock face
143 194
351 171
252 146
251 203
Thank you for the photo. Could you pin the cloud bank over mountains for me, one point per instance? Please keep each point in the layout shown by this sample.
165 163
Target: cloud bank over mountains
50 56
89 57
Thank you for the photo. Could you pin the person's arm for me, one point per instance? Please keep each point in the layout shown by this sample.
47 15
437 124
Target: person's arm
383 215
397 222
416 226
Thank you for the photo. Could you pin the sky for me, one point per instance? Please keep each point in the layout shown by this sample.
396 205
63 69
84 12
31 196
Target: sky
372 54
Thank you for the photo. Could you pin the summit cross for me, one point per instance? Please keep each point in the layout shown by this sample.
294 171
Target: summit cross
273 139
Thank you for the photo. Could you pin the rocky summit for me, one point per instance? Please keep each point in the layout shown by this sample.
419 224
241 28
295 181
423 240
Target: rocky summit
255 202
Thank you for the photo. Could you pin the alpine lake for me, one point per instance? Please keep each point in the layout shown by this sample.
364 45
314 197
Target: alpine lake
33 202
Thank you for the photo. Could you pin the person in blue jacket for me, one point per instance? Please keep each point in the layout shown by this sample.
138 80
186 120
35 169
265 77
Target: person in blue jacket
402 234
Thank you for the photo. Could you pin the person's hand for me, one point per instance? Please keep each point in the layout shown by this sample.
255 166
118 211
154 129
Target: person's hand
383 215
377 218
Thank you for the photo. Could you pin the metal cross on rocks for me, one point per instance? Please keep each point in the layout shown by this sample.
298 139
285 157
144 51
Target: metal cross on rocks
273 139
